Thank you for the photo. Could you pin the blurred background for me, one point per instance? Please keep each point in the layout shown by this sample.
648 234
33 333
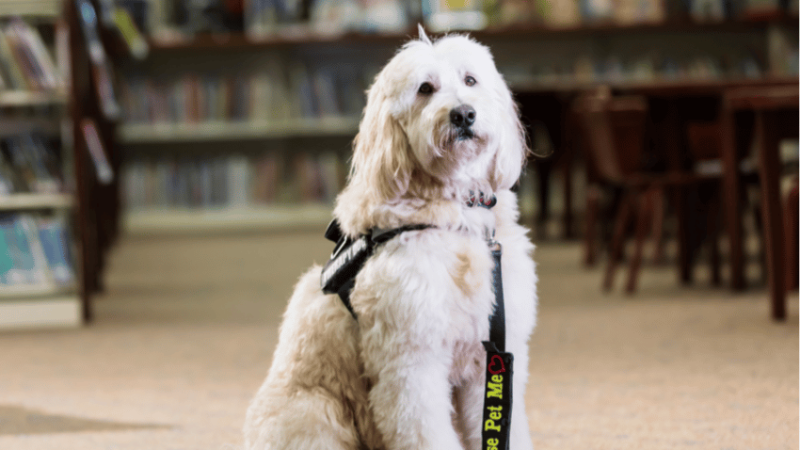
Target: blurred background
168 167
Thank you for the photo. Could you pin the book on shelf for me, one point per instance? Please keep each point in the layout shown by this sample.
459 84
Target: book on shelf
265 96
129 31
238 180
232 181
34 252
100 66
306 104
329 17
21 266
265 177
388 16
29 164
97 152
26 63
332 176
172 20
782 51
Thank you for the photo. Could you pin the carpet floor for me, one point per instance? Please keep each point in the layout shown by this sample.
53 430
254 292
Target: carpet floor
185 330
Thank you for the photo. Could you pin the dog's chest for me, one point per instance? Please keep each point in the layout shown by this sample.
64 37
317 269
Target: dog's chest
470 309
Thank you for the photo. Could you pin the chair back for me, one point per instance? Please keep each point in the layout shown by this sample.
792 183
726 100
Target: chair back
614 133
704 140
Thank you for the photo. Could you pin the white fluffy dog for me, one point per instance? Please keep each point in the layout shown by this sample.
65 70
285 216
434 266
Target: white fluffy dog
408 373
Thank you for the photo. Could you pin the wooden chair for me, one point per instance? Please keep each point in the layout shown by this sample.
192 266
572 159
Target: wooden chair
614 128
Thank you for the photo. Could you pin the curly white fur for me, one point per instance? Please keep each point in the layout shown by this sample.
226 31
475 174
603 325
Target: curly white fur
409 373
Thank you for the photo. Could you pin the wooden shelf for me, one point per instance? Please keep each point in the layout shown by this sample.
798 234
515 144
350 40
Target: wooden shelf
741 24
31 98
15 125
225 131
25 291
34 8
54 312
35 201
238 41
231 219
659 85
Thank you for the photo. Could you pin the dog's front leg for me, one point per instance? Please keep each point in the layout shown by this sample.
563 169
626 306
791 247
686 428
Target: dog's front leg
520 428
410 398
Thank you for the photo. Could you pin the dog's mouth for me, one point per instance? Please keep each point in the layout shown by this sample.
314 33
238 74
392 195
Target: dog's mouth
455 137
459 134
464 134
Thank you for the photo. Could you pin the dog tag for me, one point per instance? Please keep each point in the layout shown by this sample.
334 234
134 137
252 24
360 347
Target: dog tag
497 398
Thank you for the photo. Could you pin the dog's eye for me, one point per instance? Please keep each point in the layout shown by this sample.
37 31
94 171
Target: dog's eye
426 88
469 81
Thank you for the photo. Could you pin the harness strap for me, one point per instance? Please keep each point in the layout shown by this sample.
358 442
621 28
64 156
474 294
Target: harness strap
348 257
497 323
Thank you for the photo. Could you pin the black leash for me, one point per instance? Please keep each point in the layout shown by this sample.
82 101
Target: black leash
339 276
499 368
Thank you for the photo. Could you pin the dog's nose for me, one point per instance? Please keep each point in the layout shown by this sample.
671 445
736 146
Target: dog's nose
462 116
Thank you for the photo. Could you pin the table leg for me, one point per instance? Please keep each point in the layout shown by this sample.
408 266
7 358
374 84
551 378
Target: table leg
730 198
567 231
769 172
671 132
567 161
684 247
544 170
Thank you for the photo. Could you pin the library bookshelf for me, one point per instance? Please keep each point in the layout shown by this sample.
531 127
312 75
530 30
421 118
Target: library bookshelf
244 42
249 218
516 47
38 202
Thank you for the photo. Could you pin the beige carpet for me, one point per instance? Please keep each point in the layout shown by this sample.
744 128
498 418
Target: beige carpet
184 335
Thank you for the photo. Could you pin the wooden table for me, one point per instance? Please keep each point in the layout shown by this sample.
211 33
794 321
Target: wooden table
670 90
775 114
730 95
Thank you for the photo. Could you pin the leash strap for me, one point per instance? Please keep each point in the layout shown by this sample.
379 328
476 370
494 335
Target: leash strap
349 255
499 369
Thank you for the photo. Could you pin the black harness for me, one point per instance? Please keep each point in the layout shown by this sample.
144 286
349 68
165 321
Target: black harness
339 275
349 256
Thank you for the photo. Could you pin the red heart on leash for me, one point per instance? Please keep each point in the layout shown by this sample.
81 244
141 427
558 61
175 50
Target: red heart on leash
496 365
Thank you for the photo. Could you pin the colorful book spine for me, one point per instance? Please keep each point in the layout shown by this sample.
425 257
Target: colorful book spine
34 251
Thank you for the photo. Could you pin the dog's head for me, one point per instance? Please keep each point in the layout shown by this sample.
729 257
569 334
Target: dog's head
439 114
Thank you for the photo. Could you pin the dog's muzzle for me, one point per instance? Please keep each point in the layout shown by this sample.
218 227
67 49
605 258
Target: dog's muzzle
462 117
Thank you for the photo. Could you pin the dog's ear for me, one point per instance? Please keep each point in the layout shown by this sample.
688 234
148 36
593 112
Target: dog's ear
422 35
512 149
381 154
